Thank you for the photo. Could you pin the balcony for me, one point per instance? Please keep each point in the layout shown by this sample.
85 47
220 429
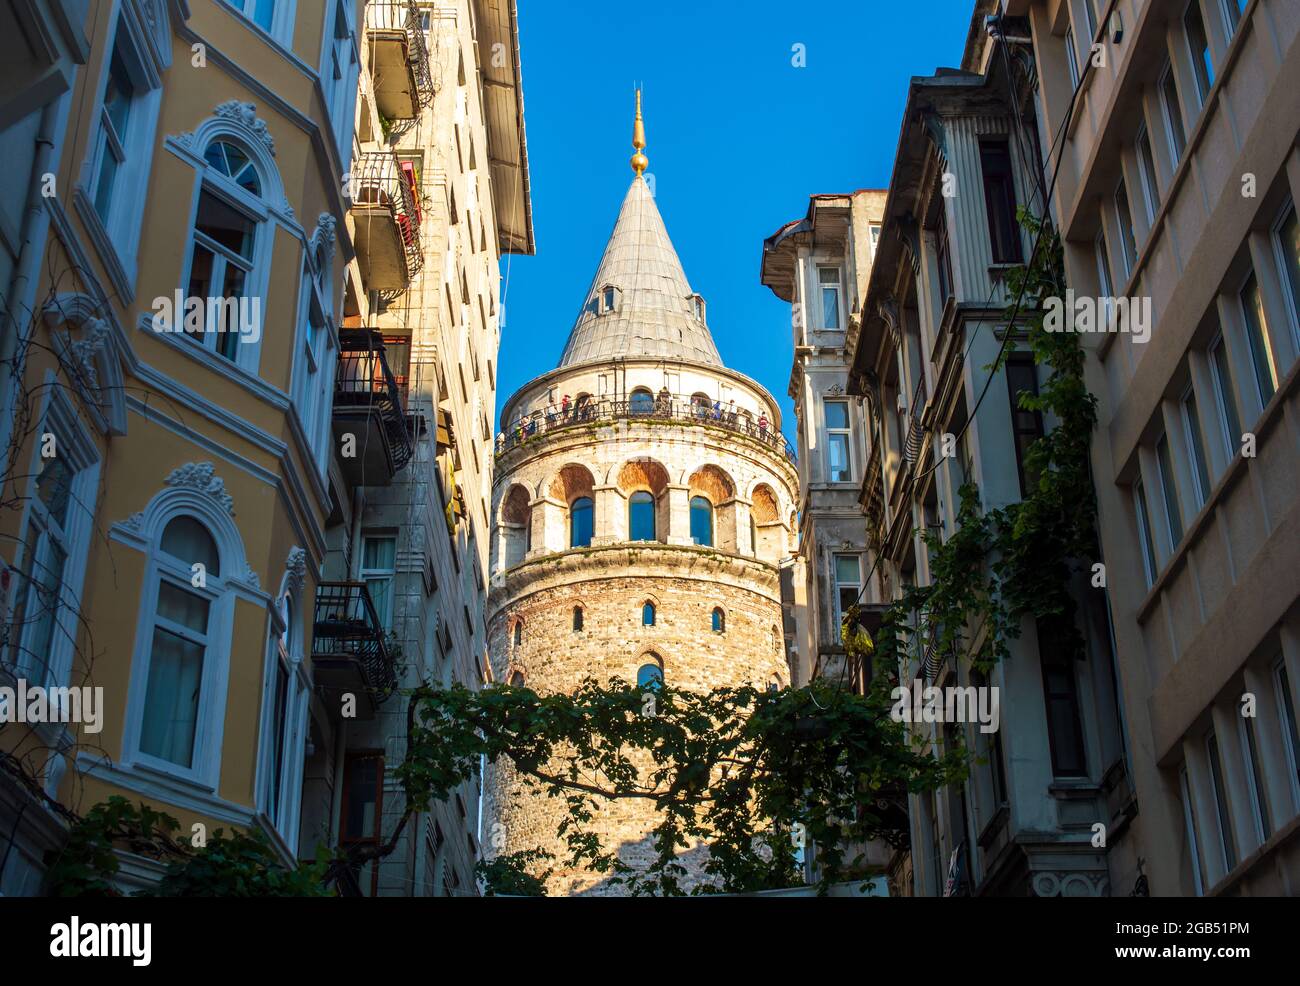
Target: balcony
386 214
399 63
370 431
666 408
349 651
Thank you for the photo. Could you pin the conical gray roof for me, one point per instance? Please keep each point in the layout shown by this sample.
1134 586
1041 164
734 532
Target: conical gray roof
653 313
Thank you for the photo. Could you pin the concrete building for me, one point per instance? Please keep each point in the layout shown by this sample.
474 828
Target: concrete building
169 464
931 322
643 501
250 534
820 264
1178 186
438 193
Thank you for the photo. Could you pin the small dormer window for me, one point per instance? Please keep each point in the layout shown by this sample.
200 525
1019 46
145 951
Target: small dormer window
697 307
608 299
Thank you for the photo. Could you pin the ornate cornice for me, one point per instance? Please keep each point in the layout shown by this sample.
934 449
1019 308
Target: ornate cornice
202 477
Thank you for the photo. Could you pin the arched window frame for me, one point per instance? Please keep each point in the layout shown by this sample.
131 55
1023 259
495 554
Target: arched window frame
718 620
589 505
579 619
286 671
653 664
210 506
517 633
642 497
651 609
641 402
235 123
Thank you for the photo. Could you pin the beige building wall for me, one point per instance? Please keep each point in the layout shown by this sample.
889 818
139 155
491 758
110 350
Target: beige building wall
1195 110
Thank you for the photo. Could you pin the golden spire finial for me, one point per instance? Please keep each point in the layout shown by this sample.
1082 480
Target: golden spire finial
639 161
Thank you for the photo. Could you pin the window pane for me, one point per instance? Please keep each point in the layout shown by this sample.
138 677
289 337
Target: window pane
363 775
54 487
701 521
837 414
1283 682
1000 202
1227 400
643 402
1144 529
172 697
846 569
1170 491
648 615
1261 354
1197 445
580 523
117 95
831 307
1289 237
188 541
837 456
1220 801
650 676
1202 65
719 621
641 517
1124 216
1173 115
183 607
264 13
1257 778
224 224
44 593
278 728
379 553
1150 190
108 167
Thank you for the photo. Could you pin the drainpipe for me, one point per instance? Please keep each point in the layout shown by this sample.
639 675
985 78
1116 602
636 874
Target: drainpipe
36 222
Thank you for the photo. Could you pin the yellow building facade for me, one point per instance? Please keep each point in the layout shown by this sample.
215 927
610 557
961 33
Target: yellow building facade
179 480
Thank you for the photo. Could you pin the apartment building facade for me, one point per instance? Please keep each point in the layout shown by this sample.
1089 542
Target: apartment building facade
820 264
439 193
1025 820
1178 186
190 485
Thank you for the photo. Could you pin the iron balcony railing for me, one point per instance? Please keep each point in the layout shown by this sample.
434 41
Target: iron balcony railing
401 21
379 178
364 383
665 407
347 626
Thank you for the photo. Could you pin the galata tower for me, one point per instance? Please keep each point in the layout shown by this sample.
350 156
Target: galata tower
643 500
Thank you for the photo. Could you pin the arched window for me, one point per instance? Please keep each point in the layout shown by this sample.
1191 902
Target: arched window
228 255
650 676
774 683
719 620
581 524
753 536
519 632
642 402
181 638
641 517
700 405
230 161
648 614
577 619
517 679
701 521
284 724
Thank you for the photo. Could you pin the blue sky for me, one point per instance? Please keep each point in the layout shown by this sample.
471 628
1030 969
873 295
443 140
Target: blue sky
737 137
